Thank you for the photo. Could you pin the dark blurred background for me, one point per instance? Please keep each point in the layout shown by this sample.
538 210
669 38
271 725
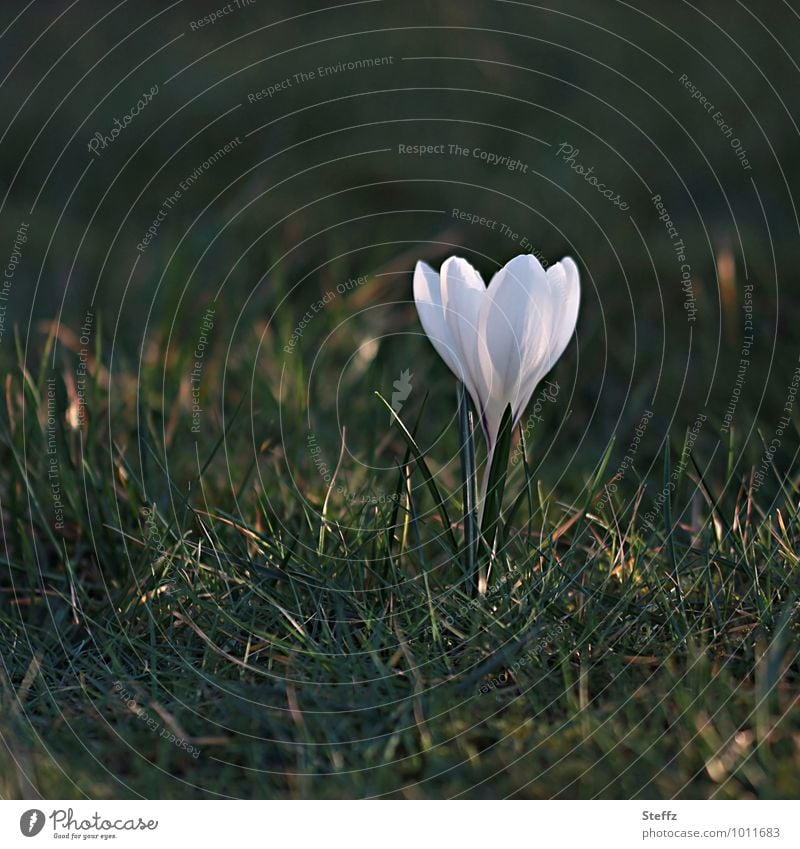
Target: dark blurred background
694 102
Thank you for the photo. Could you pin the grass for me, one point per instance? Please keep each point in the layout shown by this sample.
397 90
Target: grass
301 656
280 602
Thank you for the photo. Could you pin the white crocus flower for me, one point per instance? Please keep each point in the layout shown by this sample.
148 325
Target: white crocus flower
500 340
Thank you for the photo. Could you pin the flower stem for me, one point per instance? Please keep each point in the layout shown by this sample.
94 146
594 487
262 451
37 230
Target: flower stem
494 484
466 426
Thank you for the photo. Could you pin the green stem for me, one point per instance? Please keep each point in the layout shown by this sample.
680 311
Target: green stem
494 484
466 426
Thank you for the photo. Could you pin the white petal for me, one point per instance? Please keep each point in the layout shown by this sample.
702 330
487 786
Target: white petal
463 292
565 287
514 323
563 293
428 299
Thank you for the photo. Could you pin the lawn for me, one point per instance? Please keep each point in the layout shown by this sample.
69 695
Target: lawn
224 570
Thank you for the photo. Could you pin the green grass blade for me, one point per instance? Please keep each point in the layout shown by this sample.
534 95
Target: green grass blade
426 472
670 530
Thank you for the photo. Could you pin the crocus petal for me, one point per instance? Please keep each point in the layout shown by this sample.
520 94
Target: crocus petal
428 299
565 289
463 293
514 323
563 294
